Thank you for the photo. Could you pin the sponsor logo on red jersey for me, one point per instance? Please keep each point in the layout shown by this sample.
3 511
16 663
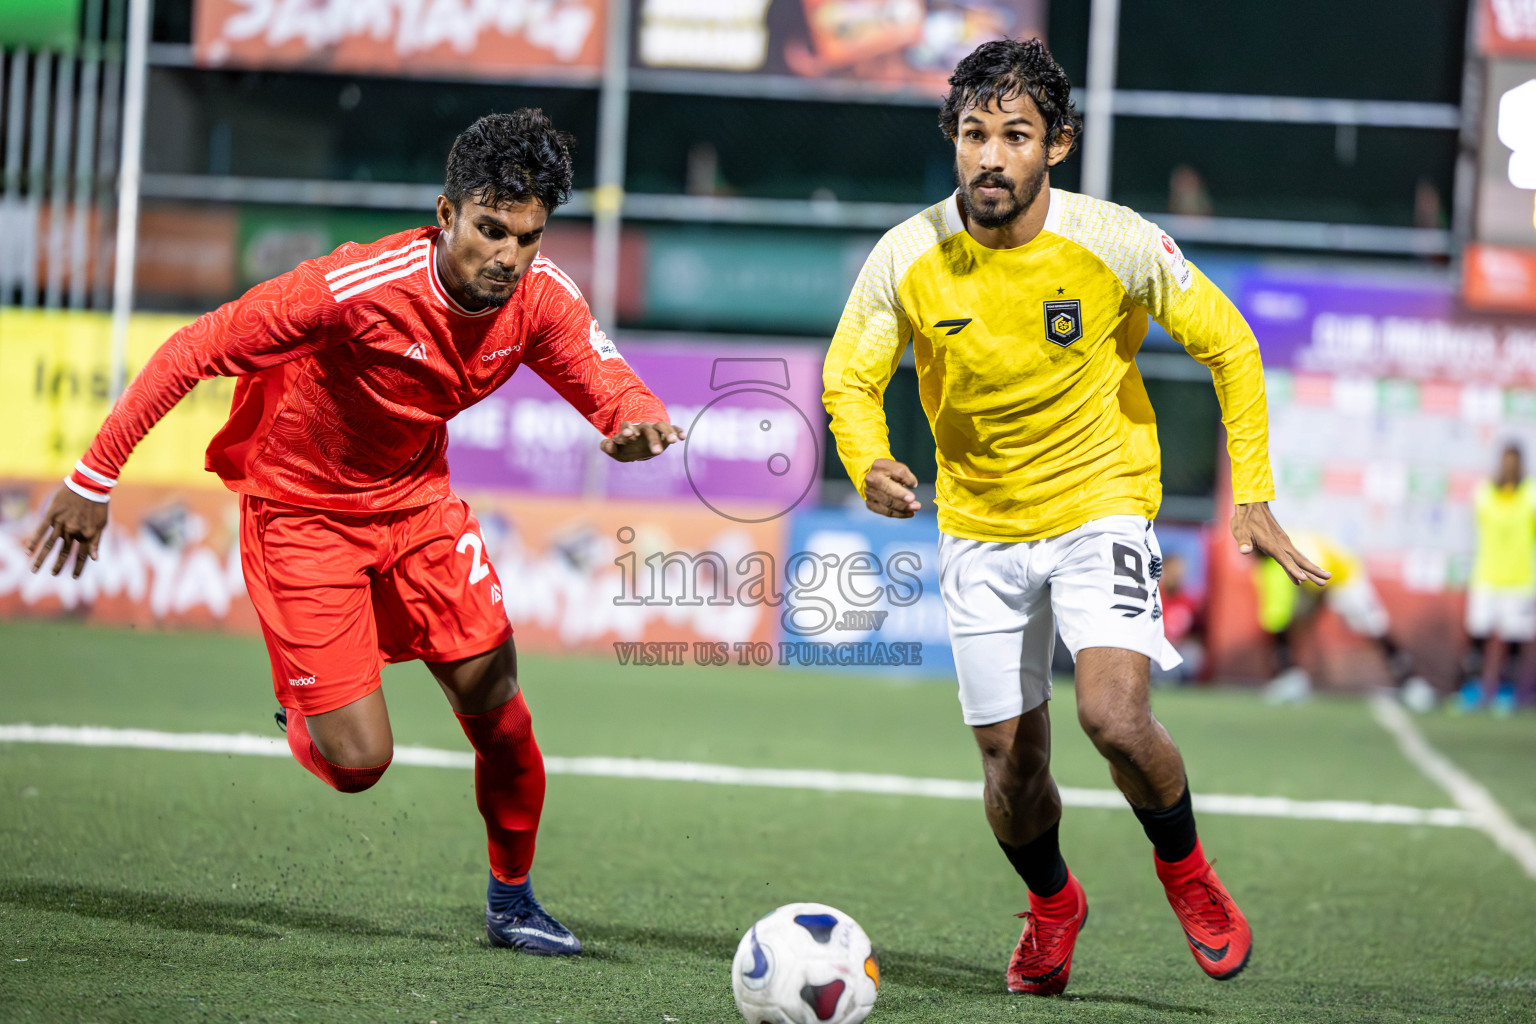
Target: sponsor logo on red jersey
601 344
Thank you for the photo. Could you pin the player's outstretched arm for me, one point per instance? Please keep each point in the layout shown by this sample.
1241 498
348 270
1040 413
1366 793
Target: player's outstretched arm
636 442
76 521
888 489
1254 528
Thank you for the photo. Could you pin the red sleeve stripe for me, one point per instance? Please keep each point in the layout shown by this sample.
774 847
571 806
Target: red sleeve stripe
543 266
357 286
88 483
84 492
348 281
362 266
90 475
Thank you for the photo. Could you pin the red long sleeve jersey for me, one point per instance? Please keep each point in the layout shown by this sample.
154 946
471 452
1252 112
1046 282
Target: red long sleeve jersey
350 367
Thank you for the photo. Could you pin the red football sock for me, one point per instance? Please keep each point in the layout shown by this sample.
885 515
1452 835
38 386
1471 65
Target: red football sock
345 780
509 784
1060 904
1174 870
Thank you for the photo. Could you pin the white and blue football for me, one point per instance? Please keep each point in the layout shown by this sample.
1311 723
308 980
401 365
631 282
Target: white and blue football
805 963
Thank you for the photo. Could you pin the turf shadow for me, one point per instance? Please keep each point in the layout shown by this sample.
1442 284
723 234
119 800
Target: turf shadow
614 942
1145 1004
607 936
607 941
255 919
941 973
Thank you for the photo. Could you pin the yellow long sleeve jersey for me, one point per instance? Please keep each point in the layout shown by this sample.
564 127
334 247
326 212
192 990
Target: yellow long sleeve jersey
1026 366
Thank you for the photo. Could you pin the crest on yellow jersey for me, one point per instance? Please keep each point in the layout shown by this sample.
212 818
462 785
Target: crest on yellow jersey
1063 321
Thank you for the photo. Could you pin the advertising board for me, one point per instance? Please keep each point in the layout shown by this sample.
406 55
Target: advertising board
604 577
1387 408
506 40
1499 263
752 413
1507 28
880 45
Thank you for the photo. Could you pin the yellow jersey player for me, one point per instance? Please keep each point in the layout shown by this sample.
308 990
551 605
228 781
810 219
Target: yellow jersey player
1501 596
1286 611
1024 307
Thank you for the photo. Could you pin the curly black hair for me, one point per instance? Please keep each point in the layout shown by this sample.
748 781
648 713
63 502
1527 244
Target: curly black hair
504 159
1006 68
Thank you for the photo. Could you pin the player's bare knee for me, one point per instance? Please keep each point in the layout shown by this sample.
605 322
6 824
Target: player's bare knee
1113 727
358 753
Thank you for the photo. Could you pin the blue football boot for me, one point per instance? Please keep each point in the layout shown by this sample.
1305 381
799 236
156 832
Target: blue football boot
1504 701
514 919
1469 699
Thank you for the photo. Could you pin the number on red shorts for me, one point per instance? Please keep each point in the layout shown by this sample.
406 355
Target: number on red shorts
478 570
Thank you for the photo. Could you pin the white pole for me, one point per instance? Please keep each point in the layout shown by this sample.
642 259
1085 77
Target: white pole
612 138
1099 106
135 72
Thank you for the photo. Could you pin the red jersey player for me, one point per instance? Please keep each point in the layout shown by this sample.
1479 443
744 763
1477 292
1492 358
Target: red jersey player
355 550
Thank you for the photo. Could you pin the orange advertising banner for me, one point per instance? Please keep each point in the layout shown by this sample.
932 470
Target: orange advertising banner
589 574
1499 278
862 45
500 39
170 557
576 575
1507 28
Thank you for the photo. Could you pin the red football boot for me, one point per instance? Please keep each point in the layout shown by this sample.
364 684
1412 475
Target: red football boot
1042 962
1217 931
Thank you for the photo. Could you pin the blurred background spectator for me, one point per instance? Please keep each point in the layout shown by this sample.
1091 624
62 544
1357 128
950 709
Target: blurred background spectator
1289 613
1501 599
1183 620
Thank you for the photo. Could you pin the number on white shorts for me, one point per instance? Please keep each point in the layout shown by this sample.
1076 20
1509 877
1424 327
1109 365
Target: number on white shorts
1128 562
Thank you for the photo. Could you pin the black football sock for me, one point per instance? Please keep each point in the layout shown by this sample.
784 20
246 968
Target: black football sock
1172 829
1399 661
1039 862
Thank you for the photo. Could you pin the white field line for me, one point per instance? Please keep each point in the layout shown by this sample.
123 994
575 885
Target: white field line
1481 809
730 775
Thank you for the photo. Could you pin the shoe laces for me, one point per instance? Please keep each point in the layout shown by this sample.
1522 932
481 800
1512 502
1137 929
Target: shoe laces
1210 904
525 905
528 906
1055 932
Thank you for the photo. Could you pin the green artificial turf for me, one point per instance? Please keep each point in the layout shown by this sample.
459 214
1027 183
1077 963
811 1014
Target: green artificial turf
154 886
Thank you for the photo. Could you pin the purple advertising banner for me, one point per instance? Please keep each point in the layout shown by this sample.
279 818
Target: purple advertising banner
752 414
1383 329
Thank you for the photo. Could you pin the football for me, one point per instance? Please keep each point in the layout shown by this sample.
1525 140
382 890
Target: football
805 963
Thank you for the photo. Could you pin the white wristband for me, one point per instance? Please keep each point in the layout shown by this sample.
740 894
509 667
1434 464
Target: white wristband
88 495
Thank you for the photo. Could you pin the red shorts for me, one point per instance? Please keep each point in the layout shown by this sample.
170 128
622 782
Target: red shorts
340 595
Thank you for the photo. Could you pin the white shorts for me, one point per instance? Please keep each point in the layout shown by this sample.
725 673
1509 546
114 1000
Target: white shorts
1097 584
1509 612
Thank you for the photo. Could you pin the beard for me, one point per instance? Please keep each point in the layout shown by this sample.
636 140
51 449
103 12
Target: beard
486 298
997 213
